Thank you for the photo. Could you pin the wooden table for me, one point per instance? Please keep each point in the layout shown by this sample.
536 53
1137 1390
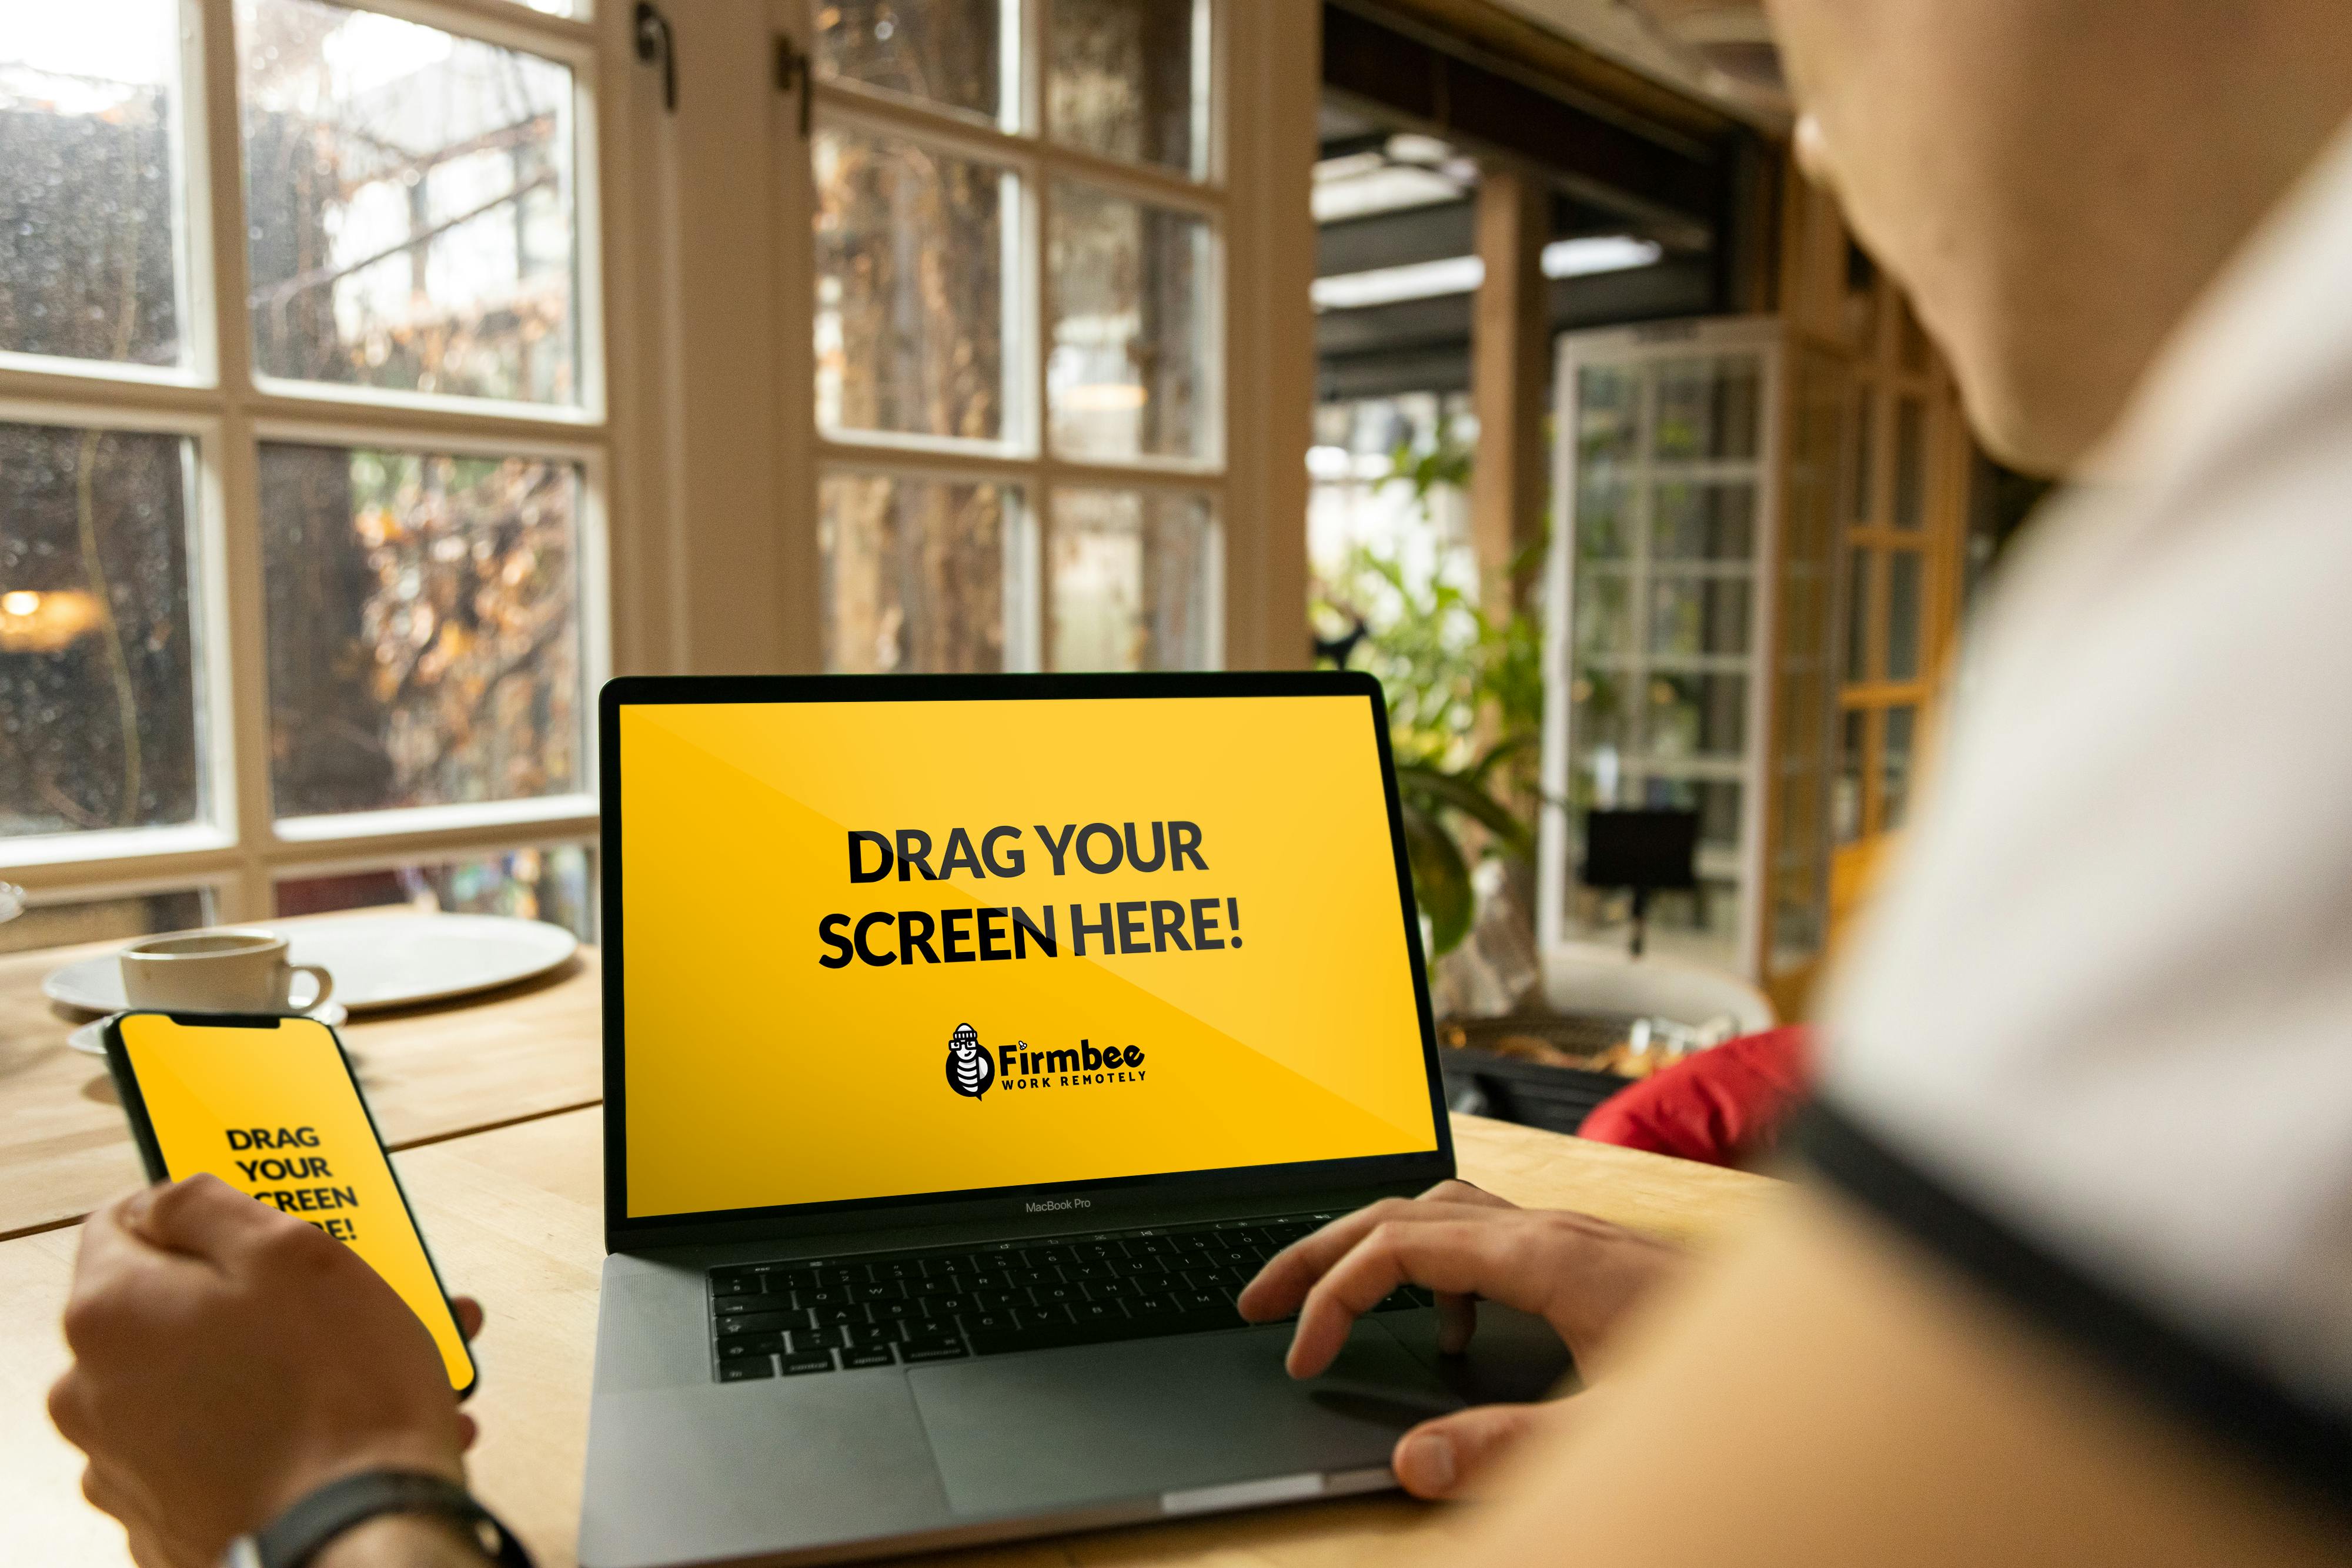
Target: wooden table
515 1213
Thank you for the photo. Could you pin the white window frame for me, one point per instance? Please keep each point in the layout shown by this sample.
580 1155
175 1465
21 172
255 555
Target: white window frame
238 852
1023 459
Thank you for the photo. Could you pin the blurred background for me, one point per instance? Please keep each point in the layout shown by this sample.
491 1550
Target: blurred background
376 379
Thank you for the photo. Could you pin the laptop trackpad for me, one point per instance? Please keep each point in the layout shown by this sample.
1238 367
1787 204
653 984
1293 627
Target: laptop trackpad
1022 1434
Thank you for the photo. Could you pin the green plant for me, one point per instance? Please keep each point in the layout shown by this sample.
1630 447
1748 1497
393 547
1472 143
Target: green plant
1465 694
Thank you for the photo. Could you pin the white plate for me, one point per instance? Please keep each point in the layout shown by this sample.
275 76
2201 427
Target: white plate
91 1038
378 960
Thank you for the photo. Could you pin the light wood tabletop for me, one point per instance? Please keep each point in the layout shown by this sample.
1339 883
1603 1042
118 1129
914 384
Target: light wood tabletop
515 1215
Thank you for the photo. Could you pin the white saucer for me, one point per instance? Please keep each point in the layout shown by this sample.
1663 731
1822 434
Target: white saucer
91 1038
392 960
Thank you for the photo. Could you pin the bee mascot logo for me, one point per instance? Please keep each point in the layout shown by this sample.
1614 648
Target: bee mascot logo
969 1068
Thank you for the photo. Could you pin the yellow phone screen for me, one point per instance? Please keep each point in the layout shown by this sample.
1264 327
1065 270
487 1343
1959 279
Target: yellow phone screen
274 1113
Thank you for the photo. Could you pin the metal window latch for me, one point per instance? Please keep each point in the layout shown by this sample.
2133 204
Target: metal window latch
656 43
792 77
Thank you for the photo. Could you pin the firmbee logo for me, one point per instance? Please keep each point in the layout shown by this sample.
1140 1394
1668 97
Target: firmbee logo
972 1069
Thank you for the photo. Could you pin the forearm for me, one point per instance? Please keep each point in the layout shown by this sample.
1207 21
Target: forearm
403 1540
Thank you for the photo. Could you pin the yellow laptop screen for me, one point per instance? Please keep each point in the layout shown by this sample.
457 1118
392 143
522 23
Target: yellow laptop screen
876 949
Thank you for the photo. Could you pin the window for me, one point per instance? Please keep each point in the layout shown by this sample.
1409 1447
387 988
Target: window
1020 400
303 458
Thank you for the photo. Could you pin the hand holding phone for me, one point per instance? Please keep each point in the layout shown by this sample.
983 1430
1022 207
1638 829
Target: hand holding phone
269 1105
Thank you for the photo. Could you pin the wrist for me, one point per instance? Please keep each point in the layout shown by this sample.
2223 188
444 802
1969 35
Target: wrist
410 1453
402 1540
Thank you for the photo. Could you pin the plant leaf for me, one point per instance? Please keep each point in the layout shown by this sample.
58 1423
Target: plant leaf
1441 880
1435 789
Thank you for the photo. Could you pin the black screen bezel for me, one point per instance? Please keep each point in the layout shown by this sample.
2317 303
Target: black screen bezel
151 1148
623 1232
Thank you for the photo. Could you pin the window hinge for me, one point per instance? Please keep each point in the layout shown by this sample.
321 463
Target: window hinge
792 77
656 45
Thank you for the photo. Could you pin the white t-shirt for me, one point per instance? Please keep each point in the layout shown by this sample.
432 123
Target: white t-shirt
2096 1037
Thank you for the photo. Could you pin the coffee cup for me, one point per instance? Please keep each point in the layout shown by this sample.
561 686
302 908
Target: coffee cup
221 971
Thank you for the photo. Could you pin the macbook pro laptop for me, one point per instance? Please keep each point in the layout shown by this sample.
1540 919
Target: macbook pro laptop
969 1042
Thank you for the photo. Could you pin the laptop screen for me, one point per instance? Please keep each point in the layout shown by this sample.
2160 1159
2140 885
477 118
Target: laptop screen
888 948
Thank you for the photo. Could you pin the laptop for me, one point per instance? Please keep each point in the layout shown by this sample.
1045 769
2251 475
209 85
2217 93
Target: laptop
969 1042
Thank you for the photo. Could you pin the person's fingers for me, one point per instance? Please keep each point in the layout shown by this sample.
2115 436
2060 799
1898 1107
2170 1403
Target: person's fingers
469 1313
1457 1319
1461 1257
69 1409
204 1216
1281 1286
468 1430
1445 1457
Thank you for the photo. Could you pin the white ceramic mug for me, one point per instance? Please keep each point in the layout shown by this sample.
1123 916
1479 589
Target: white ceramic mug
221 971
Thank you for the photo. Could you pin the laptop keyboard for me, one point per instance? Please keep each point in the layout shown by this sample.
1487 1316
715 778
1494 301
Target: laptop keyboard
908 1309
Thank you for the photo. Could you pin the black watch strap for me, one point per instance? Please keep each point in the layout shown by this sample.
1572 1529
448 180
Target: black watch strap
294 1537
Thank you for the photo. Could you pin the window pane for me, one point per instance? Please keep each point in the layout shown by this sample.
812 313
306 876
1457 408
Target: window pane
910 288
1604 613
1127 376
1703 522
554 885
1121 80
106 919
1708 408
1599 718
915 573
1857 613
1691 616
410 203
1608 413
1717 802
98 681
89 216
424 628
1859 497
1603 528
1903 569
949 51
1910 462
1895 767
1696 716
1845 797
1131 589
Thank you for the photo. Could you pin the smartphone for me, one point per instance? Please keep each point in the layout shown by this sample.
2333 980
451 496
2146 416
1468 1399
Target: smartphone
269 1105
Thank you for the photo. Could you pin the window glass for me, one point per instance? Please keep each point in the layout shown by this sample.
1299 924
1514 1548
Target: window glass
1857 613
1604 613
1695 715
423 628
1703 521
915 572
99 711
1845 797
1707 407
556 885
1861 495
1131 582
1910 462
1604 527
410 207
1902 573
1693 617
1895 767
1123 78
1129 361
910 288
950 52
90 248
1607 415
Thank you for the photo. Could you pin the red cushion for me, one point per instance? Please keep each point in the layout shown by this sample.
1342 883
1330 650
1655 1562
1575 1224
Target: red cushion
1722 1106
